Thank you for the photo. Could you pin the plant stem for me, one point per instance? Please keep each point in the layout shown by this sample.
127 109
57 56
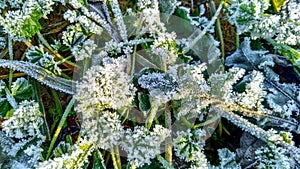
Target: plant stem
38 98
69 64
204 31
151 116
212 7
114 158
237 40
60 126
168 121
11 57
14 75
118 158
58 106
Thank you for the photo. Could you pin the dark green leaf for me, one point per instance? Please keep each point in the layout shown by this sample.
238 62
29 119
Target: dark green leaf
98 161
21 90
144 102
4 107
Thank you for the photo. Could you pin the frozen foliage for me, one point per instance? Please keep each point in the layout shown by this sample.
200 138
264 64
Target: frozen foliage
38 56
165 46
227 160
253 16
25 125
143 69
83 51
102 128
280 97
189 144
106 86
162 86
143 145
76 158
74 35
272 156
84 20
40 74
22 24
25 122
120 23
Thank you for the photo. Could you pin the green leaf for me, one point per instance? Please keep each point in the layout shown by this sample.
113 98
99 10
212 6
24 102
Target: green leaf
98 160
61 149
21 89
278 4
31 25
144 103
5 107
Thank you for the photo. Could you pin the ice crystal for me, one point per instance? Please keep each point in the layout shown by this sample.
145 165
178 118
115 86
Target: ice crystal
84 51
272 156
102 128
75 159
37 55
26 121
106 86
162 86
165 46
143 145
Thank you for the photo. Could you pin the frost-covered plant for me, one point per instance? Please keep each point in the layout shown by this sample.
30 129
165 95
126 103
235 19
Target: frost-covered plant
254 16
142 69
76 157
102 128
143 145
189 146
25 125
22 24
38 56
106 86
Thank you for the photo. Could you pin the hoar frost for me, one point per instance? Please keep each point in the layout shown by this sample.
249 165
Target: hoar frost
106 86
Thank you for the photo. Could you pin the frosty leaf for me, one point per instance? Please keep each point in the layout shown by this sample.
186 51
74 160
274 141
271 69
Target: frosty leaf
168 8
281 97
39 74
227 159
6 160
21 89
248 59
290 53
34 54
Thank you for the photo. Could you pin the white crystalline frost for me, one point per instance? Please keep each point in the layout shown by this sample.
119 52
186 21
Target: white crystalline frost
106 86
